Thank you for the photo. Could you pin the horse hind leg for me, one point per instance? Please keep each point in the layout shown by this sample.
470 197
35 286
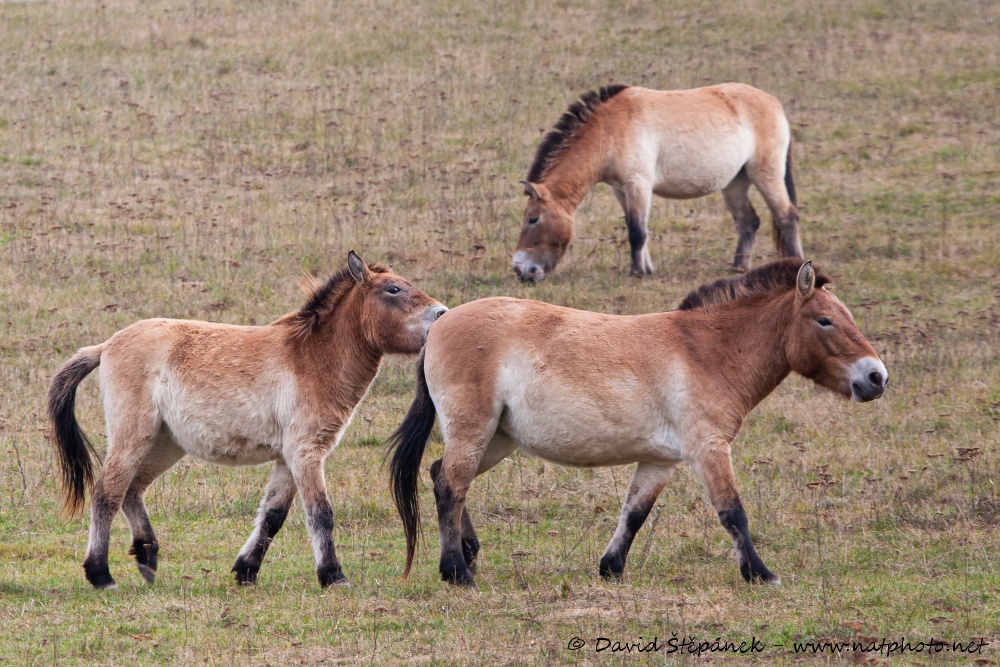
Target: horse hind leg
271 515
744 216
451 485
469 539
145 547
645 488
771 184
116 477
452 476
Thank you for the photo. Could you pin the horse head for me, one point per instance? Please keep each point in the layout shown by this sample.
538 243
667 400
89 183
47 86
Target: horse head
825 345
545 234
395 316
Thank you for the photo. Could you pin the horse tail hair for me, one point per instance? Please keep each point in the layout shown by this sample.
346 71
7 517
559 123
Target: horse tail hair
789 182
406 445
73 449
776 229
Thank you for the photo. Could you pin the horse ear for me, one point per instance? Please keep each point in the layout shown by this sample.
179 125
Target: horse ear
359 270
530 189
806 280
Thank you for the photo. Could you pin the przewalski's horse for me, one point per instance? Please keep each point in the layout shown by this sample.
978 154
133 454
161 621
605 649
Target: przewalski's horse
234 395
677 144
587 389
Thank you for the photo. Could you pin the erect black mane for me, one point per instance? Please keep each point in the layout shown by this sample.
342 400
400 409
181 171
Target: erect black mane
781 273
565 131
323 299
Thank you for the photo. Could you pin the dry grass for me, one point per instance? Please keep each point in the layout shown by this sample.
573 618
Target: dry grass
190 160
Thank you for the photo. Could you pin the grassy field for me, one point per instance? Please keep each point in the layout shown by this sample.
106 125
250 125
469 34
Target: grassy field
192 159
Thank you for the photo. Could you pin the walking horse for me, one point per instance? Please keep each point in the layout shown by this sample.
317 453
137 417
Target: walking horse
234 395
678 144
587 389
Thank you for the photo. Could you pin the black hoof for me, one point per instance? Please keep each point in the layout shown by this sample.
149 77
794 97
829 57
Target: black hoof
148 573
99 576
246 573
145 556
331 575
759 575
612 568
458 576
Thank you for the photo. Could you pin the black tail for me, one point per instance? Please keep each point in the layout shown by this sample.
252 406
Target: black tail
73 449
789 182
406 445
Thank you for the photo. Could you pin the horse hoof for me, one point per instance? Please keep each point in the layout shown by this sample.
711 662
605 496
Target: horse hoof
332 577
148 573
245 575
463 580
99 577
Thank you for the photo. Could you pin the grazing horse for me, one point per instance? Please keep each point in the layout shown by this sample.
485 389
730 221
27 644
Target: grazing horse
234 395
678 144
587 389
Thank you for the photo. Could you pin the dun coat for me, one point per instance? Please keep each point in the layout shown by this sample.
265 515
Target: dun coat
587 389
234 395
677 144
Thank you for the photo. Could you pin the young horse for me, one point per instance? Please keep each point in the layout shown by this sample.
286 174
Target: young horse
587 389
234 395
678 144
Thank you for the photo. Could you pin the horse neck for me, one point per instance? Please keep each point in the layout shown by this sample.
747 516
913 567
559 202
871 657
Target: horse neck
339 357
744 343
578 169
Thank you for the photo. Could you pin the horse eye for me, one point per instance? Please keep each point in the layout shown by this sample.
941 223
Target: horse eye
392 289
533 219
824 322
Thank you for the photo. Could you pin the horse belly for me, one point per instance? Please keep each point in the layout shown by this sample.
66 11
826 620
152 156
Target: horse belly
225 444
581 436
234 432
686 170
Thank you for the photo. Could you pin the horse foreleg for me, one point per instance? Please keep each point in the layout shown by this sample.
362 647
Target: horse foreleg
714 466
145 547
271 514
635 199
744 216
647 483
308 474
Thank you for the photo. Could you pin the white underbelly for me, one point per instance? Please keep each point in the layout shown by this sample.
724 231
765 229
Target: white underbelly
222 443
686 171
231 429
579 429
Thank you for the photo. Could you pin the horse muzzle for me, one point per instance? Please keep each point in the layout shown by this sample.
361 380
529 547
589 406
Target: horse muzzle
869 379
527 269
431 315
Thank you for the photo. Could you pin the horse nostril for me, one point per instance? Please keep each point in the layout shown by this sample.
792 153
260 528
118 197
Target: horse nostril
440 313
875 378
